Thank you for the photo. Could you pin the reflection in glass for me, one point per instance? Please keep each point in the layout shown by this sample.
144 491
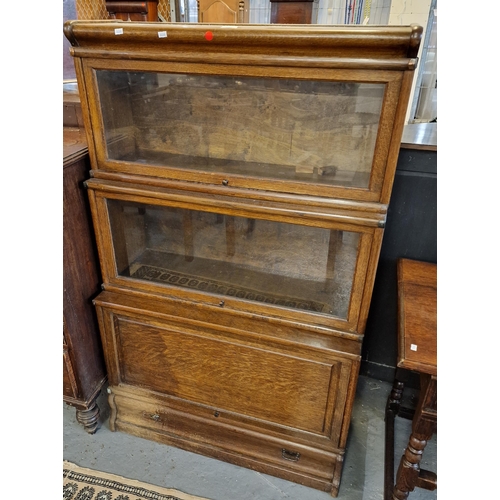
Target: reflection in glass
310 131
281 264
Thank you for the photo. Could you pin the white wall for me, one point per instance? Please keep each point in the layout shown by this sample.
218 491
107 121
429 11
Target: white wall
405 12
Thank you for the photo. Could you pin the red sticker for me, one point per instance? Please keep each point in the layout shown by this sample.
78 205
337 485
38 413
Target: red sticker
209 35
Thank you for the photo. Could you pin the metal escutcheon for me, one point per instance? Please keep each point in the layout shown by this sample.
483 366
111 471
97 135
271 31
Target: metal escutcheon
293 456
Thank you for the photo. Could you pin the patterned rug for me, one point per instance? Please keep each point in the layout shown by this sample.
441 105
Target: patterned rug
87 484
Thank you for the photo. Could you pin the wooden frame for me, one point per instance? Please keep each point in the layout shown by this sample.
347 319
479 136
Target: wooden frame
370 234
157 336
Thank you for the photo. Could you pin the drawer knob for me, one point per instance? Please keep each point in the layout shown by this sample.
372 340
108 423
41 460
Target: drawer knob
293 456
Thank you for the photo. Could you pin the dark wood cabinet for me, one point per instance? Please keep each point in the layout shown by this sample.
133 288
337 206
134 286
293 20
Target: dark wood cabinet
133 10
83 363
291 11
239 189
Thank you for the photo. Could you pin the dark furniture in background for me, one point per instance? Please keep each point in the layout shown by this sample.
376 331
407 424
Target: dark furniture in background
133 10
417 351
291 11
411 232
83 364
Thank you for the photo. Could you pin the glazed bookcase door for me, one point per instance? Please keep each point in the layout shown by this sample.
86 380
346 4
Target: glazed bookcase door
320 132
272 265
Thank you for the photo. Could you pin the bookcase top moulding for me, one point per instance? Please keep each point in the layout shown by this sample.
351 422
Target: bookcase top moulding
353 47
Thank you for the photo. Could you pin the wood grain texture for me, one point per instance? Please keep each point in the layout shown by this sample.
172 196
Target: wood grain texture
231 135
243 373
174 397
417 299
341 46
83 367
193 367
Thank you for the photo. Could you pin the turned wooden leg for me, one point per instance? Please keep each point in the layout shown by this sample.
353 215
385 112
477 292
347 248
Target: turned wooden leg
409 467
89 418
391 410
396 395
409 474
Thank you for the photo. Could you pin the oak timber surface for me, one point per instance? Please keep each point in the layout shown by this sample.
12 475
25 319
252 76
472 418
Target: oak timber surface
74 144
418 316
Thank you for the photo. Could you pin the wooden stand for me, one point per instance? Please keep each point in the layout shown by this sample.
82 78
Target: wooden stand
417 352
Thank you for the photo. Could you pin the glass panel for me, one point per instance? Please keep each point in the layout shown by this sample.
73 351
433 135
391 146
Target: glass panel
309 131
288 265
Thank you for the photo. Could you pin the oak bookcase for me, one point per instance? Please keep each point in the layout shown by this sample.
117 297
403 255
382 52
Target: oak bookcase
239 188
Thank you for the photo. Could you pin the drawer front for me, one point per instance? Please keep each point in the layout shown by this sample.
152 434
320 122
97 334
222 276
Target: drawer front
207 432
278 385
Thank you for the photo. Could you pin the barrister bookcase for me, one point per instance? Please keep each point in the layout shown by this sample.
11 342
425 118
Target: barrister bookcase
239 188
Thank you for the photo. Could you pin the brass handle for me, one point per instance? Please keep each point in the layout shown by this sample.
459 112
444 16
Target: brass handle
293 456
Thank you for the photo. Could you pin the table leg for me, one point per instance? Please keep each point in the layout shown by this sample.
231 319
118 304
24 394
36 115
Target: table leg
409 474
89 417
392 409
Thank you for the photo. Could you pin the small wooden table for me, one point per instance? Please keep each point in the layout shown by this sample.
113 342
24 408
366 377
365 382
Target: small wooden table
417 351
